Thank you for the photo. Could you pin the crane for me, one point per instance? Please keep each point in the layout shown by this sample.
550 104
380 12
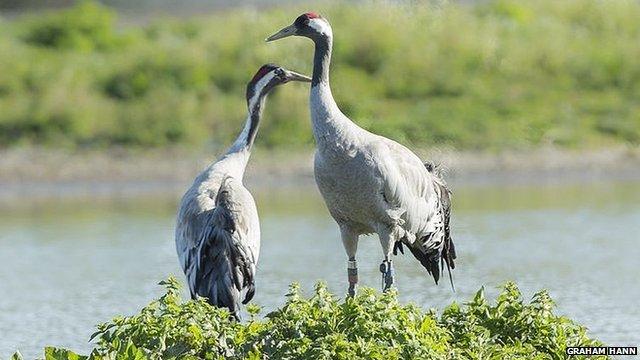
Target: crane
217 228
372 184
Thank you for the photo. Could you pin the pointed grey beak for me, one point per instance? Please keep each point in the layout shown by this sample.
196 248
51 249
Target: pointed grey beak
285 32
294 76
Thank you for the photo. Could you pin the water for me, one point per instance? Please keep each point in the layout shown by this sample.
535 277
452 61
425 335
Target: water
66 266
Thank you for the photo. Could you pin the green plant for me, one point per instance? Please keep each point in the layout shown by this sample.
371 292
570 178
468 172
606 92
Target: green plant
369 326
86 27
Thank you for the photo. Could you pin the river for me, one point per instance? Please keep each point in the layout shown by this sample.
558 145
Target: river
67 265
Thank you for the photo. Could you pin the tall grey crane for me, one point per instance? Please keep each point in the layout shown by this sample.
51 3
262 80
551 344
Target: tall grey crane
217 229
369 183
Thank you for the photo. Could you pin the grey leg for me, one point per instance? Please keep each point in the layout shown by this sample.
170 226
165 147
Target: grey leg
388 273
352 271
386 268
350 242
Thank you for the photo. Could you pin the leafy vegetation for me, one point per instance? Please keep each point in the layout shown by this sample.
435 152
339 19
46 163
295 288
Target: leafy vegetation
369 326
501 74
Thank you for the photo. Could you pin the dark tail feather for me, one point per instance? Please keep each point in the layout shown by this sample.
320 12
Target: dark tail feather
430 261
449 249
397 246
251 290
448 255
216 282
433 259
224 270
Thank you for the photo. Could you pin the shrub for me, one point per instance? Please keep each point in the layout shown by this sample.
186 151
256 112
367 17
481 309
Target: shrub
87 26
368 326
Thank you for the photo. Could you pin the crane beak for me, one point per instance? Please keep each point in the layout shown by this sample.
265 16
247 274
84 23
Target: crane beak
294 76
285 32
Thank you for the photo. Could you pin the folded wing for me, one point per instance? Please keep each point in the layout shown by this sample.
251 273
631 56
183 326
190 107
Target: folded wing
417 192
225 256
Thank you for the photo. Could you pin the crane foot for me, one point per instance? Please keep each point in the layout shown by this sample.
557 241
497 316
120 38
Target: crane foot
386 268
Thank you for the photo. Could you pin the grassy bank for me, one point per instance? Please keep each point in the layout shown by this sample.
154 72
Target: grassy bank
369 326
502 74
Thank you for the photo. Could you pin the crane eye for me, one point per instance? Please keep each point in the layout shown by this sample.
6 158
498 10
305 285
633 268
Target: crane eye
280 74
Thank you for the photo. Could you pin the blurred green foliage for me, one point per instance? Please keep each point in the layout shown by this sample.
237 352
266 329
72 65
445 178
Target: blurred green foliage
86 27
369 326
502 74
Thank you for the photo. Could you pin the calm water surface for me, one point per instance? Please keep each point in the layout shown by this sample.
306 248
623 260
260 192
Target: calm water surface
66 266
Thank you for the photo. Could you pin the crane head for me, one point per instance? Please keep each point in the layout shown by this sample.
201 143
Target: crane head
309 25
270 76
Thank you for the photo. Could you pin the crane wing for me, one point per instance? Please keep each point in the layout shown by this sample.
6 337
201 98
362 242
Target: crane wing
222 262
414 190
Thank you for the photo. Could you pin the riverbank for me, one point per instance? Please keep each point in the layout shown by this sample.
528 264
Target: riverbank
37 173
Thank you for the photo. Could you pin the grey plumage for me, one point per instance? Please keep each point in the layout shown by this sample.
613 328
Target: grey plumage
372 184
432 260
218 232
217 229
225 265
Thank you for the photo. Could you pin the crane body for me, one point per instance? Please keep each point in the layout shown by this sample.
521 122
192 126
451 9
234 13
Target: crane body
369 183
217 228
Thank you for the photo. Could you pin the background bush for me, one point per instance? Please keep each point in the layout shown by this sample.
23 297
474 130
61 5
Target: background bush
369 326
502 74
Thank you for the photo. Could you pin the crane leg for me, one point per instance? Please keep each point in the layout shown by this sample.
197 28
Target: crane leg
352 272
350 242
386 268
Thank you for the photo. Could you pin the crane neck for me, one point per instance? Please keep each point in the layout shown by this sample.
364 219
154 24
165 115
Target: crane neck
244 142
322 60
330 125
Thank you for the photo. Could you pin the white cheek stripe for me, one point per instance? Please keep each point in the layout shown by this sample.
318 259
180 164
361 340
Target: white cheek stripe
258 88
320 26
244 135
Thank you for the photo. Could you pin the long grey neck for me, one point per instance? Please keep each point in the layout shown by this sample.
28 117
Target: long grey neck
322 60
241 148
330 126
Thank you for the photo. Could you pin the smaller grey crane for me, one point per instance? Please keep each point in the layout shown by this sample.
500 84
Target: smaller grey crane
217 229
369 183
